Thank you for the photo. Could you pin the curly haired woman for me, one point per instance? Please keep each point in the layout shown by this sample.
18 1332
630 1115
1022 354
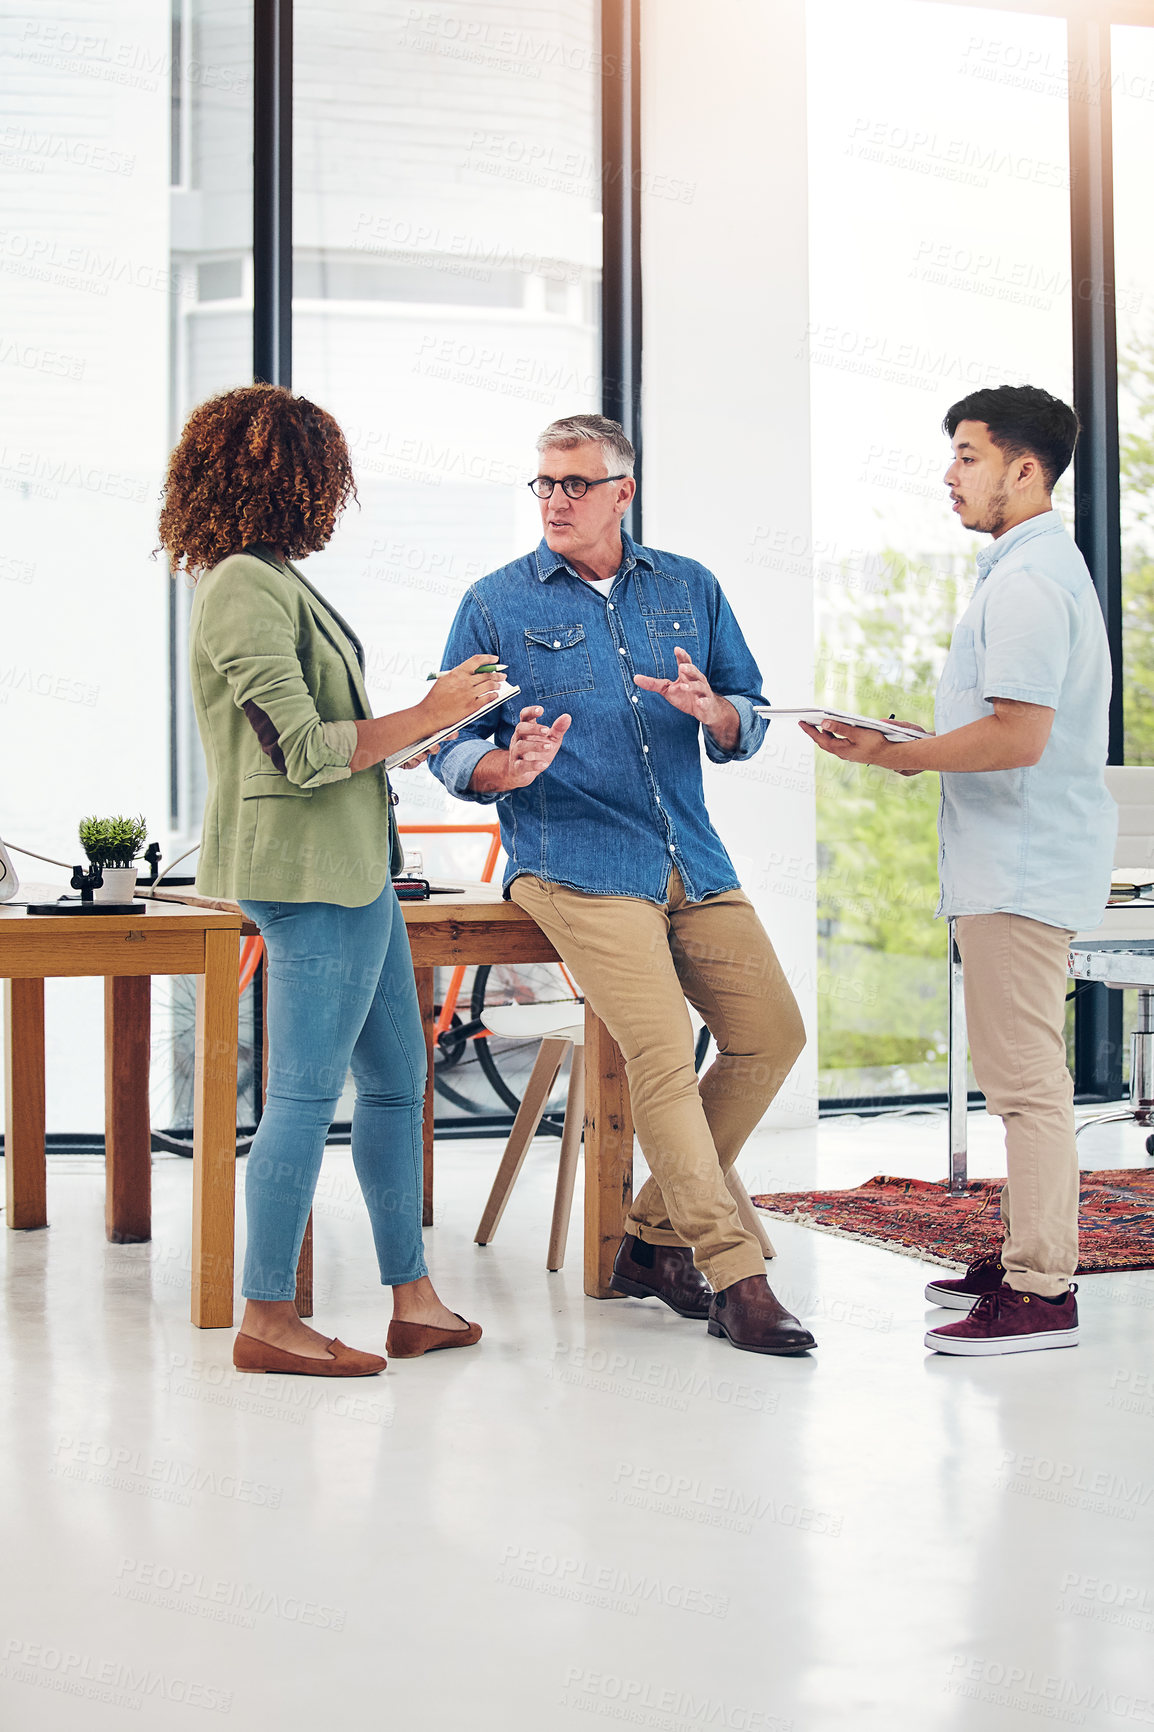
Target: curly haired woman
298 828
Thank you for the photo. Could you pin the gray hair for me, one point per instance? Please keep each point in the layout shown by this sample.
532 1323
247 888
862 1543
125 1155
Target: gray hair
574 430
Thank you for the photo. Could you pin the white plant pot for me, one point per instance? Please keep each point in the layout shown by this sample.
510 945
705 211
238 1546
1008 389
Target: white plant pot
119 885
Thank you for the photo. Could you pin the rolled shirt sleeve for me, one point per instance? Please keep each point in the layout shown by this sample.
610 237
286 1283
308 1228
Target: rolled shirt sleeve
1029 621
454 765
749 739
734 675
472 633
251 640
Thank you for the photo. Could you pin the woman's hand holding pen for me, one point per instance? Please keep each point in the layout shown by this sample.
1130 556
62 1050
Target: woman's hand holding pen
457 693
450 698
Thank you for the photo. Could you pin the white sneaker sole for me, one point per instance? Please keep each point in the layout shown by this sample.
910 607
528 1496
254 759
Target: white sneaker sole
950 1301
970 1349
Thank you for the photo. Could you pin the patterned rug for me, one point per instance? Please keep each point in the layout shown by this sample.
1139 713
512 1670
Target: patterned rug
919 1218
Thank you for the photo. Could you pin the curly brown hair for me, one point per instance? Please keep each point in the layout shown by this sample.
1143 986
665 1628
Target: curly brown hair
255 464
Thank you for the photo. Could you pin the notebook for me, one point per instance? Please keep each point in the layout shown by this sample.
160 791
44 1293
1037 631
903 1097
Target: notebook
892 730
414 751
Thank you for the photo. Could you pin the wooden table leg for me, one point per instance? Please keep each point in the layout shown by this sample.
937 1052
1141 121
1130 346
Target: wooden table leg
25 1172
608 1154
214 1134
127 1136
425 978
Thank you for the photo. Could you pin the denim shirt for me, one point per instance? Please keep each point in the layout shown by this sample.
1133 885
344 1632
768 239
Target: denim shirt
1037 841
623 800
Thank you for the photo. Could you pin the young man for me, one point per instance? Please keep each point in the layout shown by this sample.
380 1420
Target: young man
611 851
1027 842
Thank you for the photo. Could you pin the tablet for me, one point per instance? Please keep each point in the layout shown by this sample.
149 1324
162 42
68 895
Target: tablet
414 751
891 729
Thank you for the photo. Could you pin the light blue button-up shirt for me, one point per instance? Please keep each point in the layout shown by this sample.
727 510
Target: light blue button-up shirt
1038 841
623 800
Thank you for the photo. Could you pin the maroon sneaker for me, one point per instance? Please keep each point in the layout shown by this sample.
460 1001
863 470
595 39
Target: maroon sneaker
981 1277
1006 1321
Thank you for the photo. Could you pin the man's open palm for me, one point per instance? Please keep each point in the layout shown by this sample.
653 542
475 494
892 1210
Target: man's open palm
533 747
690 692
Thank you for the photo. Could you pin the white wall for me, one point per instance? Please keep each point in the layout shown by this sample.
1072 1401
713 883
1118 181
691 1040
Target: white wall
726 418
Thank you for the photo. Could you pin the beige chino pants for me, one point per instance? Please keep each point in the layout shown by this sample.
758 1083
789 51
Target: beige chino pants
637 963
1014 971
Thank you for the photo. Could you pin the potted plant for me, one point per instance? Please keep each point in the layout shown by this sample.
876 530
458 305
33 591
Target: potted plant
113 844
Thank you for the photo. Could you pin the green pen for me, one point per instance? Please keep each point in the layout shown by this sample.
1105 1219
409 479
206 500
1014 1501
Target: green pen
485 668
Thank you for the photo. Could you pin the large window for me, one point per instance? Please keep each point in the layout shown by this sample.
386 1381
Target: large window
126 133
447 255
940 261
1132 99
448 251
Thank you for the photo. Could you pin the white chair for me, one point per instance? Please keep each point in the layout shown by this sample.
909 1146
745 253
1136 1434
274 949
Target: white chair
1120 952
553 1025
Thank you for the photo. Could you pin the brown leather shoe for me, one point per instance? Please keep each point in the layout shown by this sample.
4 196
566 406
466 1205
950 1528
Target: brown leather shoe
664 1272
249 1354
410 1340
750 1317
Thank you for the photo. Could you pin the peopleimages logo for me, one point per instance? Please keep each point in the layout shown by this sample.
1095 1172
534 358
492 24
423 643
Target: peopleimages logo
120 1468
644 1703
1126 1604
120 1683
1046 1694
1073 1484
609 1587
217 1598
692 1499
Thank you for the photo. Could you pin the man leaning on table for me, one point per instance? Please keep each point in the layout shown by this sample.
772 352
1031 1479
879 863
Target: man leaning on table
1027 842
632 657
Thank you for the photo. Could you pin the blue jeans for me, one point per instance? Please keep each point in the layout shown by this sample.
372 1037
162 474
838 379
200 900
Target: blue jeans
341 995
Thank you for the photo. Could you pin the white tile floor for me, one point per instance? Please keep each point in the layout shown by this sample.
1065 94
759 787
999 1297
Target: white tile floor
599 1512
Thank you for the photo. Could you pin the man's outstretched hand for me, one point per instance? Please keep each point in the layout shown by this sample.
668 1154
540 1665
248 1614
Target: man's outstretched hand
530 752
533 747
692 693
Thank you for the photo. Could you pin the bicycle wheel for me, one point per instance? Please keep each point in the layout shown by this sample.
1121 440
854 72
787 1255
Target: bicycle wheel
458 1078
173 1067
469 1090
507 1063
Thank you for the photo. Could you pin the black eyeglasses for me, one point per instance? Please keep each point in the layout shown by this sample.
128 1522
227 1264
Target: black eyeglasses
572 486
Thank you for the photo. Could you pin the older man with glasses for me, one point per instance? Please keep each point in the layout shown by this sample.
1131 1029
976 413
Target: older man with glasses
633 657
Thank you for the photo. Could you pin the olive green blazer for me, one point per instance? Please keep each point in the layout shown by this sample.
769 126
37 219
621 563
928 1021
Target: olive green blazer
277 685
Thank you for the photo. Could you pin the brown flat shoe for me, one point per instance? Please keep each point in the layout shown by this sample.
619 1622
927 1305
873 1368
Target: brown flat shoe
410 1340
249 1354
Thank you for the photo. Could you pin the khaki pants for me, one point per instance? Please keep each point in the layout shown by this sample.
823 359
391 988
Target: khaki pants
637 964
1014 971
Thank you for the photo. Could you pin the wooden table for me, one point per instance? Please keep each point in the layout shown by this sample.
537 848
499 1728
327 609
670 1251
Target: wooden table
127 949
194 935
479 926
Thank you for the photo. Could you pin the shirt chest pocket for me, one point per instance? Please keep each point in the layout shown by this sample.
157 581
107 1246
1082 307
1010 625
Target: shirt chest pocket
961 669
667 632
559 660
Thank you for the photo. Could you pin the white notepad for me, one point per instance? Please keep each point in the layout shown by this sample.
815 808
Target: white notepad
414 751
891 730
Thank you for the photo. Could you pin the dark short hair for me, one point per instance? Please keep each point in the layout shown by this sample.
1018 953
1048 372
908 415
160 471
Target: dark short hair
1022 418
